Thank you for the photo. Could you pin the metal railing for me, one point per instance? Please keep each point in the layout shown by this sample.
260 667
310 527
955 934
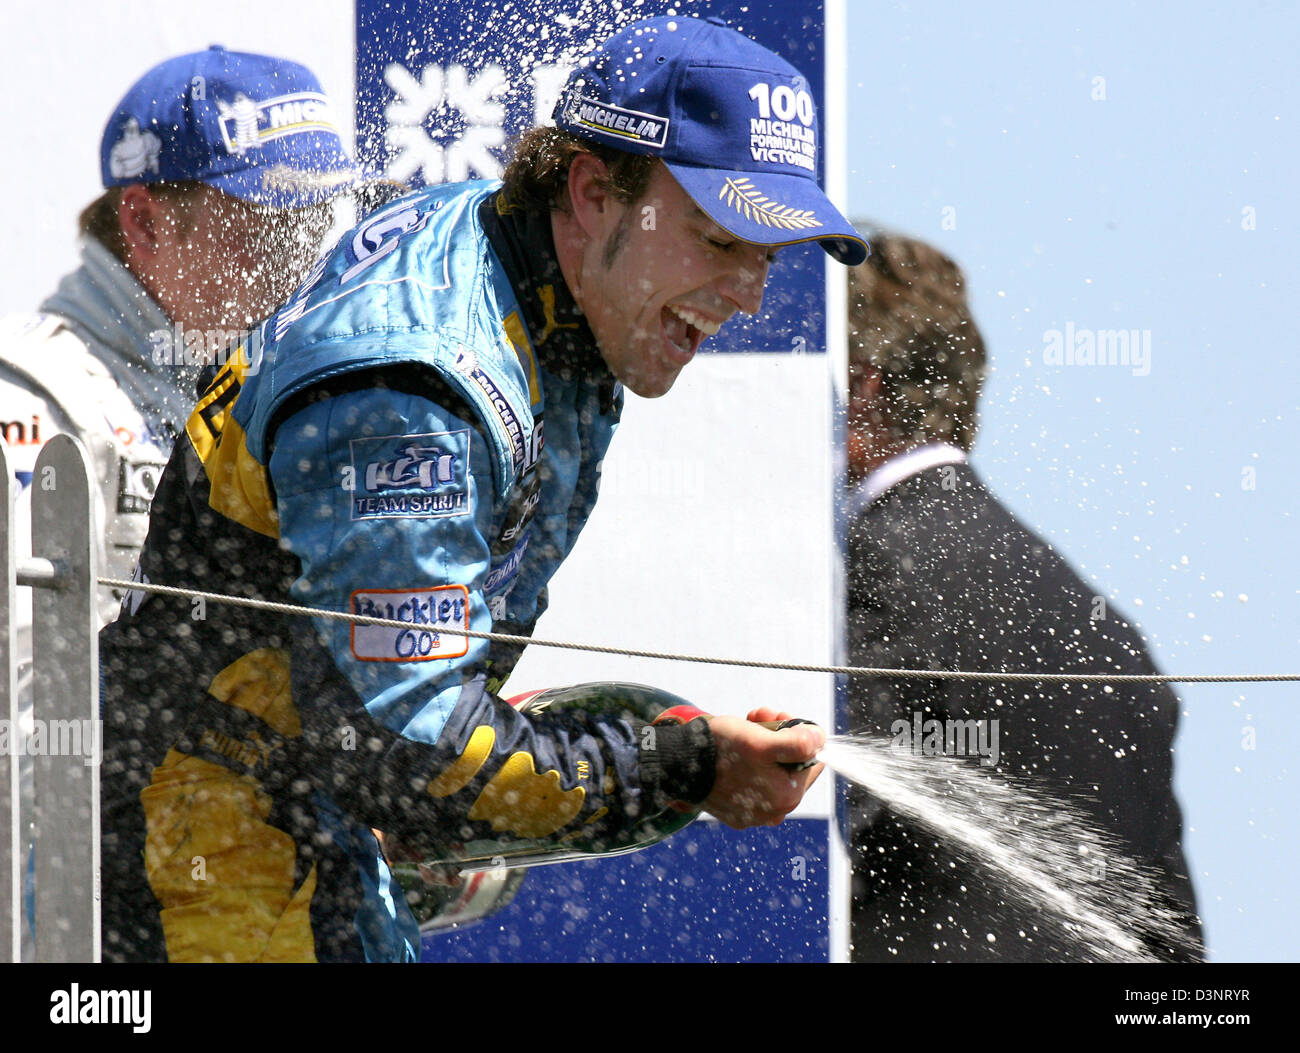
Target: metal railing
56 838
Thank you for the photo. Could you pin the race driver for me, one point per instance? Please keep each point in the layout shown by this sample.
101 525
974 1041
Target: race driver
213 210
197 235
417 434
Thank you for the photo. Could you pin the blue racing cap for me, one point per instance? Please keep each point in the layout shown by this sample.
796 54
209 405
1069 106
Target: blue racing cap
255 127
734 122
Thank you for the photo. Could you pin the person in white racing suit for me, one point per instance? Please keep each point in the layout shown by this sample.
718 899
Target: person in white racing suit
198 234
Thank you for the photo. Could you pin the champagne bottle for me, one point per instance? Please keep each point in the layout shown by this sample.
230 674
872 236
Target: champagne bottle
504 856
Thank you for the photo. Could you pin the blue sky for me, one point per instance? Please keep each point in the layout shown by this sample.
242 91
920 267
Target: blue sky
1131 167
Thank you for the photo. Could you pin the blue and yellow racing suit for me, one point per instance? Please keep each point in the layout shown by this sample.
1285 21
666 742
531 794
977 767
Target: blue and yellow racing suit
416 435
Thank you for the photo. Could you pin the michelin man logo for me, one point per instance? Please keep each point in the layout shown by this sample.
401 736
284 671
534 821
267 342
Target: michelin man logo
445 124
135 153
242 113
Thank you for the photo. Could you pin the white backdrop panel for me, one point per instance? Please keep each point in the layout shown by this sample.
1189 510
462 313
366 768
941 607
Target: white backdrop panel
712 536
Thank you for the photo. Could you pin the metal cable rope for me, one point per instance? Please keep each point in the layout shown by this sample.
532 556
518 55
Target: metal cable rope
847 670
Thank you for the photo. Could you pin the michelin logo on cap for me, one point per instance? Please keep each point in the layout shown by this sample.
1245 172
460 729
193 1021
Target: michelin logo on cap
606 119
282 177
246 124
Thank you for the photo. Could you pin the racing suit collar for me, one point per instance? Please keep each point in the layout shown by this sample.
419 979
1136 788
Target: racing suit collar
121 325
561 337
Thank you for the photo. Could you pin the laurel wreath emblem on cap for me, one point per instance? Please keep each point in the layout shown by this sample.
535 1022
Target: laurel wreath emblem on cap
744 197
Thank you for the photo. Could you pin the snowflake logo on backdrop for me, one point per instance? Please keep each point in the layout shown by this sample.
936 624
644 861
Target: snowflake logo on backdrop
445 124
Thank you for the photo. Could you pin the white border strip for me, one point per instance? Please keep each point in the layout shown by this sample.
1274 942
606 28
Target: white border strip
835 138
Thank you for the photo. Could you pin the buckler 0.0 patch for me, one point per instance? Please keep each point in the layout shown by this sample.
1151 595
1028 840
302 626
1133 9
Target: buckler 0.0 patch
428 612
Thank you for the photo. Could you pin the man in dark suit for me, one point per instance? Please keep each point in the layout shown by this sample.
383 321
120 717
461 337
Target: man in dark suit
941 575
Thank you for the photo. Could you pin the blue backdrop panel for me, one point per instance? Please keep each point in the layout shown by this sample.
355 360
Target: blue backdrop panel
708 894
444 85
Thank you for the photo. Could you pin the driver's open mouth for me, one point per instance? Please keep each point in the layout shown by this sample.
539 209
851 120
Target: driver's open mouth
686 329
698 321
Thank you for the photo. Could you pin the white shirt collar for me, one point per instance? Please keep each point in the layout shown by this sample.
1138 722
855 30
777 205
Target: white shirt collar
904 466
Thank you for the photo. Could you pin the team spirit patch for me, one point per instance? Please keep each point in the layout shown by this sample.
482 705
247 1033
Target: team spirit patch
411 476
428 612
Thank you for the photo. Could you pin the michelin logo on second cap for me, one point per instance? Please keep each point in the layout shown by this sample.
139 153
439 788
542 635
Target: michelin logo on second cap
134 153
248 125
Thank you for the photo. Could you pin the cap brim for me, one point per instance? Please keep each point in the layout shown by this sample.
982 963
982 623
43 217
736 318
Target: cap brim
767 209
283 186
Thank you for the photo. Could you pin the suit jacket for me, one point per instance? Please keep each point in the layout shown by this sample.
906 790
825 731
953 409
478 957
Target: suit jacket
941 575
